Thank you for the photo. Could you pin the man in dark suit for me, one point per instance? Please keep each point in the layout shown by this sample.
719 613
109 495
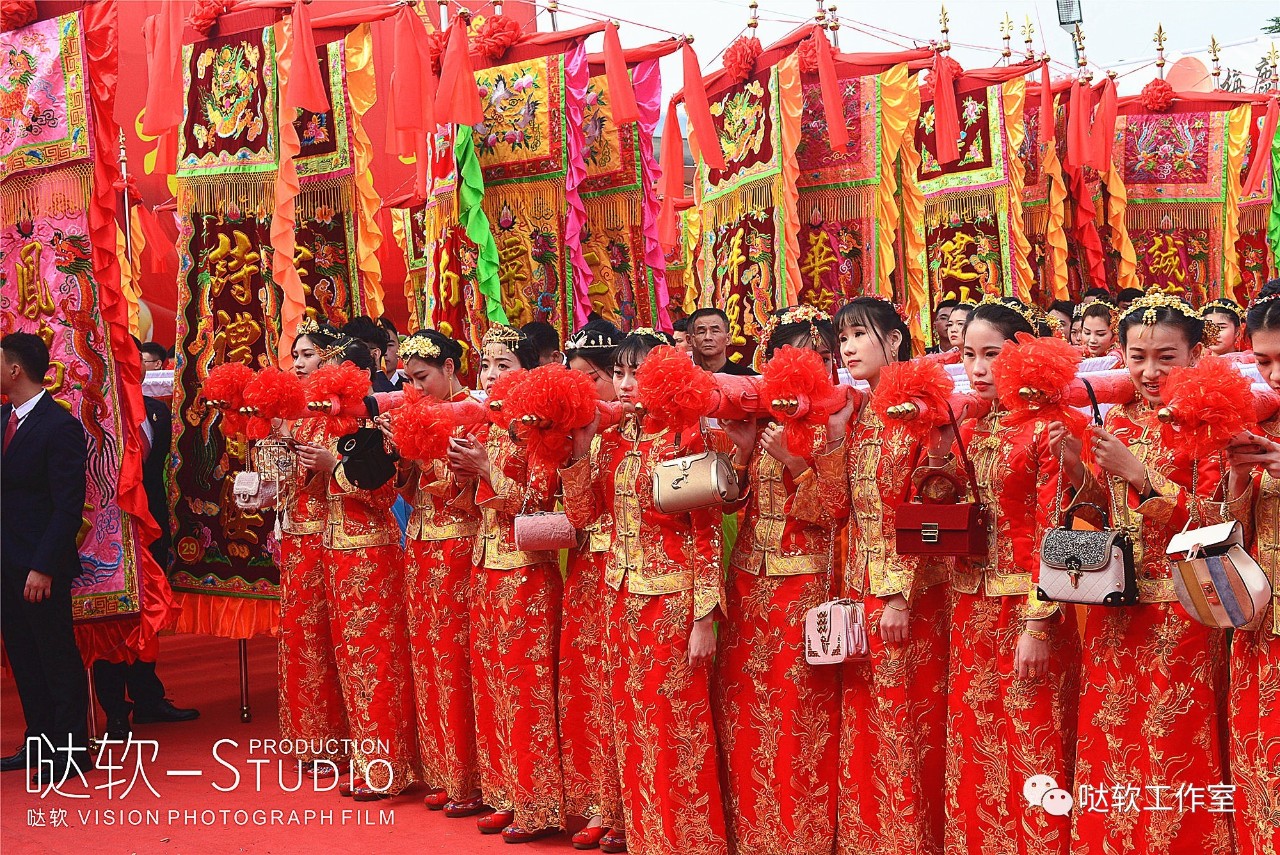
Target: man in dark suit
42 485
708 333
111 679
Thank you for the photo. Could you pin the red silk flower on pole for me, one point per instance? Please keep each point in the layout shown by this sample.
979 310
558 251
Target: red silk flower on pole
674 392
336 393
420 427
798 390
1033 377
550 402
223 389
273 394
1206 405
914 394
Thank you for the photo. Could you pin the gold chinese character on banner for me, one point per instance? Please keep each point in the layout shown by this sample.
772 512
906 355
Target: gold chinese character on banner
233 266
34 297
235 338
1165 259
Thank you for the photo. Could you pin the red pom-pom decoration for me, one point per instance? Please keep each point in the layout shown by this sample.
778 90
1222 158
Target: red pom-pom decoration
550 402
224 389
1208 404
807 55
16 14
273 394
1157 96
496 35
740 57
436 44
798 390
1033 377
674 392
498 394
922 383
420 427
926 88
337 393
205 14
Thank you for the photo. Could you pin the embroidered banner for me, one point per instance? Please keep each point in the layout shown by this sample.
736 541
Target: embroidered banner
227 311
523 145
49 290
325 138
1174 167
326 261
44 114
837 192
1252 255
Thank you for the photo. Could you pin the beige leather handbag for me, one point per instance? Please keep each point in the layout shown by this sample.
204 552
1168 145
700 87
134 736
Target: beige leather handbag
696 481
1217 582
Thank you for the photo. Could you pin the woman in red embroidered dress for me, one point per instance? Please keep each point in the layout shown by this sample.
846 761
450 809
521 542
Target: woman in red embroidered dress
591 779
1098 329
515 621
660 637
894 711
1255 654
364 591
312 716
439 540
777 715
1149 721
1014 659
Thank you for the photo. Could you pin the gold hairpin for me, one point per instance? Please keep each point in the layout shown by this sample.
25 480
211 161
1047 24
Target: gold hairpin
1154 300
308 325
1224 305
504 335
1028 314
419 346
590 340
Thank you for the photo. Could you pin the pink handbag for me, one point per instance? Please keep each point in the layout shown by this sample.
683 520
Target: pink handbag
835 632
544 532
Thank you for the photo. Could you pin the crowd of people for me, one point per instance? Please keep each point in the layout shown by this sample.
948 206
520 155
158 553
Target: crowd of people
652 680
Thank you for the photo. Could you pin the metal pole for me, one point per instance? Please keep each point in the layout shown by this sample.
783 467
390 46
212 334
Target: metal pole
553 6
246 714
128 224
93 708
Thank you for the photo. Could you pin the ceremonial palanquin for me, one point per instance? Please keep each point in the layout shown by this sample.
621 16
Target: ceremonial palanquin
49 285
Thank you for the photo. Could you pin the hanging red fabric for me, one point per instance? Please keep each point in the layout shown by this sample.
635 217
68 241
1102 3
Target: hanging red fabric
832 100
672 162
306 90
1047 122
695 102
625 109
946 114
1102 129
1261 149
1078 112
457 100
162 34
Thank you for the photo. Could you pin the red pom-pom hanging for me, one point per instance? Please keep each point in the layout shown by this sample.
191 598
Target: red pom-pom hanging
807 55
495 36
273 394
550 402
798 390
926 88
674 392
205 14
1157 96
498 394
740 57
420 427
1209 404
338 392
1033 378
436 44
224 389
924 384
16 14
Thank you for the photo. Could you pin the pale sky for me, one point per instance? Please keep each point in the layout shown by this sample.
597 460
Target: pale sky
1116 31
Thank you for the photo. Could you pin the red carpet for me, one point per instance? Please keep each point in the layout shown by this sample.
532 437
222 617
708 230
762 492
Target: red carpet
201 672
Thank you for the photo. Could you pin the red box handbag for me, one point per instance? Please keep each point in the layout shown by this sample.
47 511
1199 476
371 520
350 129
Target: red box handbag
957 528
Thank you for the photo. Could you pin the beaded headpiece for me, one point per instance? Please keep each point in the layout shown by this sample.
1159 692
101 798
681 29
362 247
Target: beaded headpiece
652 333
308 325
1113 313
796 315
419 346
1152 301
504 335
590 339
1229 307
1262 301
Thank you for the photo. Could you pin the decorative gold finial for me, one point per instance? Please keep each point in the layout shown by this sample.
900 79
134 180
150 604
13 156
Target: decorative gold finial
1215 55
945 21
754 21
834 27
1159 39
1273 58
1028 30
1006 33
821 17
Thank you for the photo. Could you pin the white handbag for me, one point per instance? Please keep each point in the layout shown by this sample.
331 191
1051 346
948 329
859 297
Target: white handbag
1217 582
1092 568
835 632
271 461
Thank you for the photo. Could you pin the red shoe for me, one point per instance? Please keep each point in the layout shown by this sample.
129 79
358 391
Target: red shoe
515 834
469 807
368 794
614 842
346 788
495 822
326 770
589 837
436 800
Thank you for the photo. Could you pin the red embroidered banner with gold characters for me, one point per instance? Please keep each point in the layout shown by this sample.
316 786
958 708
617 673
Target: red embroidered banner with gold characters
1044 196
1253 257
750 236
1182 175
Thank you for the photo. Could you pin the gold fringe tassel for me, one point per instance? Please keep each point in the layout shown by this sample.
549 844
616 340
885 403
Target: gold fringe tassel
857 203
251 194
49 193
1036 220
336 194
1254 217
614 212
963 206
757 196
1174 215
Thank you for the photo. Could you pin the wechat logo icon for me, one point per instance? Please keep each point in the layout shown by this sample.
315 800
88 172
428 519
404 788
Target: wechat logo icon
1042 791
